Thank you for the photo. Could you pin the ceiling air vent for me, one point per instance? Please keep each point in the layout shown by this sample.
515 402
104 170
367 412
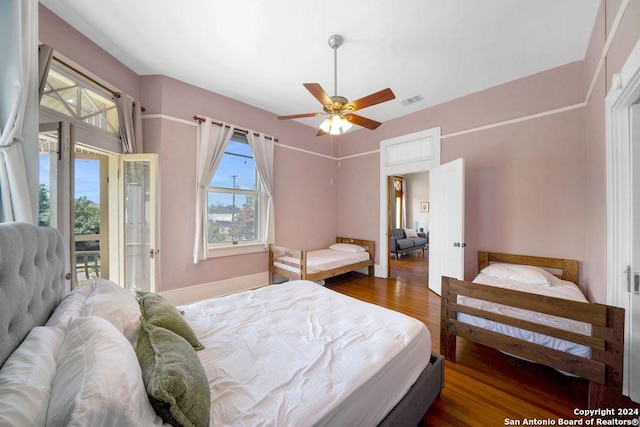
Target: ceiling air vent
412 100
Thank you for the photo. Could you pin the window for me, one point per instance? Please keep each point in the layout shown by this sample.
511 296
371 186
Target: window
69 95
235 208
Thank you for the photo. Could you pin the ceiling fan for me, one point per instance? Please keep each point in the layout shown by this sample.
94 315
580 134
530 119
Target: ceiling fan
338 108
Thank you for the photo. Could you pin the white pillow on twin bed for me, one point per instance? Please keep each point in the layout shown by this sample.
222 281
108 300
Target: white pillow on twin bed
521 273
347 247
98 381
26 377
101 298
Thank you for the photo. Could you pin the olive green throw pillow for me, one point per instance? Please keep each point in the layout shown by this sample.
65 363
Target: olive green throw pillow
160 312
173 377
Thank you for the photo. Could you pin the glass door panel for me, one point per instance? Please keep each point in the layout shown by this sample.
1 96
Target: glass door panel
140 250
90 215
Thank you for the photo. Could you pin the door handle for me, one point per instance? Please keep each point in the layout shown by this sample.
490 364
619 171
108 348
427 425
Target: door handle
459 245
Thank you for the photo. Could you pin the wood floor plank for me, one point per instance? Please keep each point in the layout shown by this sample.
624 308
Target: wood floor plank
484 387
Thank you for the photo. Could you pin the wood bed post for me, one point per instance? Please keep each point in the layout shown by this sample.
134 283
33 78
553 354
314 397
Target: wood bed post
609 394
271 273
483 260
447 339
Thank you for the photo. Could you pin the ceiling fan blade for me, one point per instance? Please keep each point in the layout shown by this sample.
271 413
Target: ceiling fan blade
321 132
319 93
369 100
298 116
363 121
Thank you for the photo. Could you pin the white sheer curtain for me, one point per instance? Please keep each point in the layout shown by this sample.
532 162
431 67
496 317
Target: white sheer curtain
211 142
45 54
130 121
262 148
18 108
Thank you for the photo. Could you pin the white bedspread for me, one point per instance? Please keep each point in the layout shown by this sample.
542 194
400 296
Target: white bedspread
559 289
298 354
322 260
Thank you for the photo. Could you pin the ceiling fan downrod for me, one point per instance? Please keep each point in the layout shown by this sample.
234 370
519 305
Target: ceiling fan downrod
335 41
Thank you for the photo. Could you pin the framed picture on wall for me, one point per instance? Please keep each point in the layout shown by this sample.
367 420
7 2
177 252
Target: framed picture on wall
424 207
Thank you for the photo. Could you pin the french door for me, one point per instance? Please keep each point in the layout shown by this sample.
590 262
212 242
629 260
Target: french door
139 251
103 203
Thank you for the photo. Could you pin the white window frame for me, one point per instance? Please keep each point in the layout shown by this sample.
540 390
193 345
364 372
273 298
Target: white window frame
239 248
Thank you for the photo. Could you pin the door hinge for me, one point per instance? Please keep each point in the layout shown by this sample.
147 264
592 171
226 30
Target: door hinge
627 271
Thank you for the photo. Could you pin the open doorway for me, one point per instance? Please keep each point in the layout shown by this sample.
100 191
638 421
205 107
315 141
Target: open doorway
408 209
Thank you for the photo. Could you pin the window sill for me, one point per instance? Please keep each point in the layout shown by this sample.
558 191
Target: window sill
231 250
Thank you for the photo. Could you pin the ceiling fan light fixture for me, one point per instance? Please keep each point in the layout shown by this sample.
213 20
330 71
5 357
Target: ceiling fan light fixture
346 124
326 125
335 125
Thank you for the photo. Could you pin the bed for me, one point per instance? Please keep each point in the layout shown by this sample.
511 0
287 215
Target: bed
286 354
347 254
530 307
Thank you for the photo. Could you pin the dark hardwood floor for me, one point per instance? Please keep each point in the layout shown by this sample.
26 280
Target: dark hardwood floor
484 387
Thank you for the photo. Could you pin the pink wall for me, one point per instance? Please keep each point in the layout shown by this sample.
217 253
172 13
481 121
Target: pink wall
304 196
626 36
533 187
302 180
536 186
524 181
74 46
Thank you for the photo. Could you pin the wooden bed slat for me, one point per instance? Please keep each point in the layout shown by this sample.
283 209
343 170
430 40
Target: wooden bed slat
574 310
576 365
586 340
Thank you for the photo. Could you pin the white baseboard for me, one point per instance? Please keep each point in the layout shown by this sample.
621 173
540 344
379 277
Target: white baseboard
191 294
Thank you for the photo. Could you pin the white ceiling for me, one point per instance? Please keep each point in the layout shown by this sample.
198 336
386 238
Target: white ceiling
260 52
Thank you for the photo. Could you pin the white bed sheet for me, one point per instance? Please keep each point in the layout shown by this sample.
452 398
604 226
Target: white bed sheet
559 289
322 260
299 354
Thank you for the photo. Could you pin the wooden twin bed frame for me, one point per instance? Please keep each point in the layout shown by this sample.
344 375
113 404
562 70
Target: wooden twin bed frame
603 369
277 252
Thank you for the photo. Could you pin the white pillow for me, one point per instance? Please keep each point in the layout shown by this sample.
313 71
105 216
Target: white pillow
99 381
70 306
26 377
410 233
115 304
347 247
521 273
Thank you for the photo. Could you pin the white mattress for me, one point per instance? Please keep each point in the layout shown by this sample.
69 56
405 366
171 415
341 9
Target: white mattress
300 354
322 260
559 289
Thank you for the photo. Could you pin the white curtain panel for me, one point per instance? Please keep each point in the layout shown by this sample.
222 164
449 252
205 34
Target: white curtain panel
18 77
130 120
210 144
45 54
262 148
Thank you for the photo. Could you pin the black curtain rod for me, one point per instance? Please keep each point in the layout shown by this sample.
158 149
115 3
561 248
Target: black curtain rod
245 131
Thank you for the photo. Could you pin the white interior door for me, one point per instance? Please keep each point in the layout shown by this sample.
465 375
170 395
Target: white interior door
446 223
633 349
139 222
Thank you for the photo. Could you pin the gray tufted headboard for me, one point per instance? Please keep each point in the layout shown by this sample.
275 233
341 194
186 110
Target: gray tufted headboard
32 280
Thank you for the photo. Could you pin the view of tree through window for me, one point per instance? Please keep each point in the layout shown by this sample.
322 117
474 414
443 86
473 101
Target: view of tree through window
233 197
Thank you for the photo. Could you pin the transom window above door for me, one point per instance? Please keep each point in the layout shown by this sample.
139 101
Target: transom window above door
71 96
